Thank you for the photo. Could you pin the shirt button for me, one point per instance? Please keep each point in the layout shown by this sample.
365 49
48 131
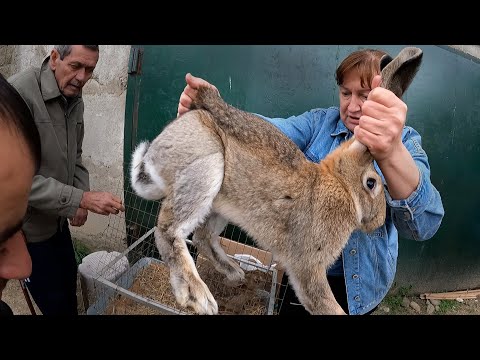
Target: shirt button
64 199
355 276
353 252
357 298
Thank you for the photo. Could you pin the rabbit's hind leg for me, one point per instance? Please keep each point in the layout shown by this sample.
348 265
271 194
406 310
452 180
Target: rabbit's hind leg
206 239
186 205
312 289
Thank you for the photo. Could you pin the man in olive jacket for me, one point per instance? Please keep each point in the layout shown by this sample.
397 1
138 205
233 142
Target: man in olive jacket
60 189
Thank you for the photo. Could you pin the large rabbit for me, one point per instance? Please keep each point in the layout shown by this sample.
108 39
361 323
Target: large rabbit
218 164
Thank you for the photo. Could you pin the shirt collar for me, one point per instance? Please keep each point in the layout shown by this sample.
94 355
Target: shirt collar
341 129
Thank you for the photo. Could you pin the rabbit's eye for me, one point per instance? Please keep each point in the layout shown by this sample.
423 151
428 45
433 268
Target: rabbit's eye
371 183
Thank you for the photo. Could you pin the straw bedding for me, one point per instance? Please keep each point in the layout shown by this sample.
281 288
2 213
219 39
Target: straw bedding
250 298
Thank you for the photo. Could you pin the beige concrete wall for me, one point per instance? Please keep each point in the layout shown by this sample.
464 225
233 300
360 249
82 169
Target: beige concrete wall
6 59
104 97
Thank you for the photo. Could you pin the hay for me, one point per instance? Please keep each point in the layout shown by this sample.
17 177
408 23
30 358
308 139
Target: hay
250 298
151 282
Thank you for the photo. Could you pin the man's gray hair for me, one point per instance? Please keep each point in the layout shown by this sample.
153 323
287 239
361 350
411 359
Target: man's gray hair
65 50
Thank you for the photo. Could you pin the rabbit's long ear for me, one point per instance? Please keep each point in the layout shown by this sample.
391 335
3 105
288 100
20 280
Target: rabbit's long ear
384 61
398 73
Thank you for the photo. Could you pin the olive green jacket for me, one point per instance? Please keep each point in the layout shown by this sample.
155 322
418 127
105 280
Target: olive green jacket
59 184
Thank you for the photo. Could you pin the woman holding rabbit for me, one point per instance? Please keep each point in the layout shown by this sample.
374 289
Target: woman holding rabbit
364 273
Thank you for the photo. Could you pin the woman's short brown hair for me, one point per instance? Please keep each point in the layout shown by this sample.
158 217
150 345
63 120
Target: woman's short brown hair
365 62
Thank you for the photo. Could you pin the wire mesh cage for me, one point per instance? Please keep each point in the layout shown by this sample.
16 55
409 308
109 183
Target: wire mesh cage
129 277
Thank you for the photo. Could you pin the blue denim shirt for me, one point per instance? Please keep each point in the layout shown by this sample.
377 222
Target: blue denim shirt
369 261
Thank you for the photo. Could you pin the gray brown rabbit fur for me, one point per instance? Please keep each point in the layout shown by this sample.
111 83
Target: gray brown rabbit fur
218 164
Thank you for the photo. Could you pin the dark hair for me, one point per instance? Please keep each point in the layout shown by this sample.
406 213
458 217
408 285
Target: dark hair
366 62
65 50
15 114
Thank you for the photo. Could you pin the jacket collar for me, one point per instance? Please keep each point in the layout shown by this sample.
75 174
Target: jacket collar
49 86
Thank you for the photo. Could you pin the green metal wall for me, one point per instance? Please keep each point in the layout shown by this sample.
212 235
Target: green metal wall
443 102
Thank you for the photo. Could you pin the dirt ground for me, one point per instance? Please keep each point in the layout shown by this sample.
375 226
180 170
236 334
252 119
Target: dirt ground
400 303
13 295
414 305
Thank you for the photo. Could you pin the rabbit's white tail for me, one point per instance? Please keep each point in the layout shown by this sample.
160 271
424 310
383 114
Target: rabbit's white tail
143 183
